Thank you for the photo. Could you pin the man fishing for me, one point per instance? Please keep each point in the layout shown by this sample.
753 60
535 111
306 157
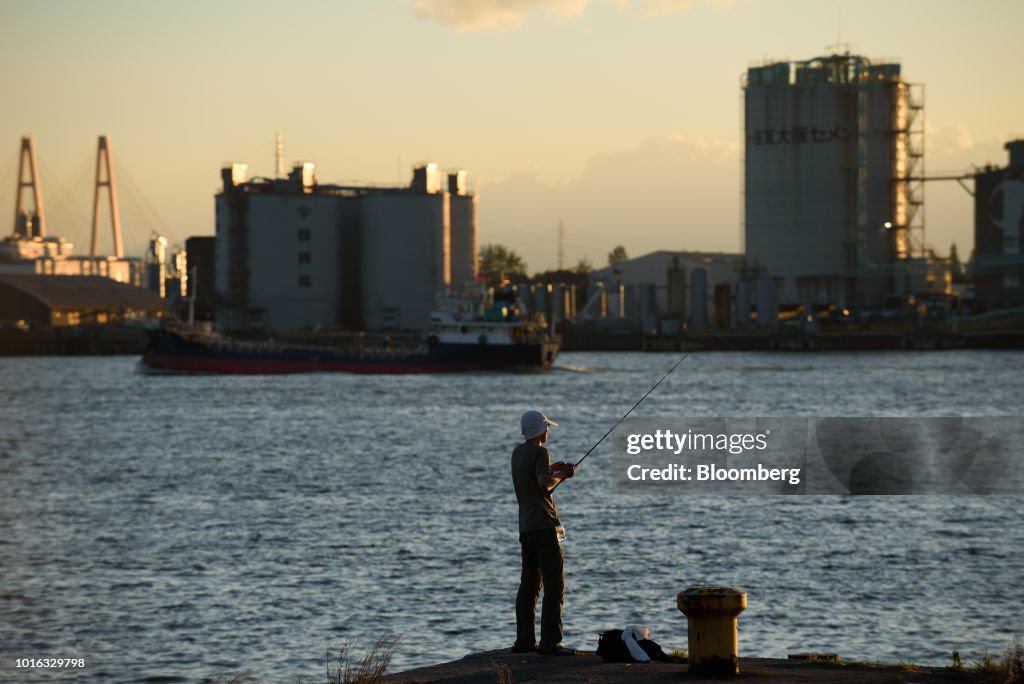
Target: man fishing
534 476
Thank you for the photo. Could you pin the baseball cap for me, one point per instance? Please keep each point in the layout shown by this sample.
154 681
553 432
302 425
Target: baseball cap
534 423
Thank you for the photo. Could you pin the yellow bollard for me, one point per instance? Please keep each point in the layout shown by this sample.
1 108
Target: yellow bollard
711 614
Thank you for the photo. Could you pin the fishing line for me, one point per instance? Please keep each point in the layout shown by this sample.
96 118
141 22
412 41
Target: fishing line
589 451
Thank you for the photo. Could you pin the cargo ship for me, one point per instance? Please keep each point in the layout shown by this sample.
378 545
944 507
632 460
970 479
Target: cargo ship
460 337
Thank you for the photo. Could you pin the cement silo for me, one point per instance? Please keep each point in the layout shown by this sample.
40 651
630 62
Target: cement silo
405 248
463 223
829 158
276 250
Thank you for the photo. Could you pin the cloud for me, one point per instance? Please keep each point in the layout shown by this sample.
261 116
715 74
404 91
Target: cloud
951 139
471 15
954 148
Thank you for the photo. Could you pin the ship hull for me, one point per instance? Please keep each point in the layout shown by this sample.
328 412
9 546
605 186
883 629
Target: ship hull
169 351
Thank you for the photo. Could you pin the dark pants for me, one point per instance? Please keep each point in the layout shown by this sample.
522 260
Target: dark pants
542 565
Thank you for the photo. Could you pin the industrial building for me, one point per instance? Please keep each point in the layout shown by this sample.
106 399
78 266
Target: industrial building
66 301
166 269
124 270
292 253
832 182
664 290
998 227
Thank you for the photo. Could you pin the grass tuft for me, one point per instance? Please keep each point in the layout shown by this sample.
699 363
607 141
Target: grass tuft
1013 660
343 669
988 665
1010 669
370 669
502 673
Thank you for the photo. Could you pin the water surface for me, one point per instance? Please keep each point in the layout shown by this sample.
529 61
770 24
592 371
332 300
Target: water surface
183 526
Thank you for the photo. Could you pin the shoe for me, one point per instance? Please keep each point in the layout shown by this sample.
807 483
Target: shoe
556 651
516 648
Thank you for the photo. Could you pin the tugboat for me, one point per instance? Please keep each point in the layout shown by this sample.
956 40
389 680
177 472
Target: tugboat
464 334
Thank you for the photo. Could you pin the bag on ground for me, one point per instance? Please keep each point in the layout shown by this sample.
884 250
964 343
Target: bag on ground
630 645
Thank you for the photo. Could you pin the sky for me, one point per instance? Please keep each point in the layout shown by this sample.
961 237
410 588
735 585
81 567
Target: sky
619 118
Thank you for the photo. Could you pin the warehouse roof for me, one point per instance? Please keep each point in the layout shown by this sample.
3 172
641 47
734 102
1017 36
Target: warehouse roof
651 266
81 292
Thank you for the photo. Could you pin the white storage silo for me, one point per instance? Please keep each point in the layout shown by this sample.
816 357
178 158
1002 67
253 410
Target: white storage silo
405 247
825 167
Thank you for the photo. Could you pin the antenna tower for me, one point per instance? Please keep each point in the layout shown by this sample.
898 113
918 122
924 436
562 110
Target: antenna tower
561 245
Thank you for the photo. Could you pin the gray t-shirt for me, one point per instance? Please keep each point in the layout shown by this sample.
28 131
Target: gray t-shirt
536 507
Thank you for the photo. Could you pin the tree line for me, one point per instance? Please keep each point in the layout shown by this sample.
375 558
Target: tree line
498 263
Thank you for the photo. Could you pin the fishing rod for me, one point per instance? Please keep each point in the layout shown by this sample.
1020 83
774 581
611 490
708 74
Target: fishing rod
610 431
